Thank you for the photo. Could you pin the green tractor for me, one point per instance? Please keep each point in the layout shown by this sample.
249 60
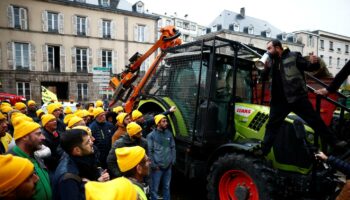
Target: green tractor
220 121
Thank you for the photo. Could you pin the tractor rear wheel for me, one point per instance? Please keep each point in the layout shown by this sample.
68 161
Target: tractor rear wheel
240 177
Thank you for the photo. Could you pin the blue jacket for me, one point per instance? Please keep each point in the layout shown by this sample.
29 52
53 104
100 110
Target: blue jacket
161 148
102 133
339 165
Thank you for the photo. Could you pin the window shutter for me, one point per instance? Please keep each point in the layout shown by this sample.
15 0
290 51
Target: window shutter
74 22
114 62
113 30
74 66
87 26
135 33
89 67
100 28
23 18
99 57
62 59
10 18
10 55
44 21
60 23
32 57
146 32
45 60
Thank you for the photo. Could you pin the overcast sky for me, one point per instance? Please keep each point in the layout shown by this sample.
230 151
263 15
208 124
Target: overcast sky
286 15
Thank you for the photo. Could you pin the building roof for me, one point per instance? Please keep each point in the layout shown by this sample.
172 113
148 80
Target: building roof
227 17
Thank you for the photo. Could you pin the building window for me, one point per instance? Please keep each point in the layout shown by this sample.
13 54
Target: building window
106 29
186 25
23 89
140 33
338 63
251 30
236 27
193 27
322 44
22 55
330 61
82 91
310 41
53 57
81 59
331 46
81 25
139 8
52 22
346 48
107 58
18 17
179 24
105 3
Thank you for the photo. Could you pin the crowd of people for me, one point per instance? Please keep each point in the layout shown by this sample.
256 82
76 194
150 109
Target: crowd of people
89 153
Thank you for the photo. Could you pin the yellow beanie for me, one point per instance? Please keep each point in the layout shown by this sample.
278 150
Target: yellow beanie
2 116
133 128
68 110
6 109
24 128
52 107
5 104
20 106
38 112
14 171
157 118
18 117
74 120
136 114
46 118
91 111
117 189
82 113
31 102
67 118
99 103
118 109
120 118
129 157
85 128
98 111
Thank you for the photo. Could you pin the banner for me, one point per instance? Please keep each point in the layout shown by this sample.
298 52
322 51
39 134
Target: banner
47 96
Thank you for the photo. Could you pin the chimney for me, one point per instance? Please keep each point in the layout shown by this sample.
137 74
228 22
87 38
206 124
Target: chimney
242 12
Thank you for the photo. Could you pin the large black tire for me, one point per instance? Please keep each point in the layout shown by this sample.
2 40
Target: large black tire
240 177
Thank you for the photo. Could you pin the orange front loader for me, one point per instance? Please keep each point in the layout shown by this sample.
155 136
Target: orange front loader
122 82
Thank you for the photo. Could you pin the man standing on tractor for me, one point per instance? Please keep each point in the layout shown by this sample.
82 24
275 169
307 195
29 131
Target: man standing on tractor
289 94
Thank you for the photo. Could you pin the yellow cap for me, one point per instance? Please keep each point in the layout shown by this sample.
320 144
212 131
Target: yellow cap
68 110
133 128
4 103
2 116
136 114
74 120
46 118
24 128
38 112
98 111
20 106
82 113
117 189
99 103
120 118
59 104
67 118
157 118
14 171
52 107
118 109
129 157
6 109
85 128
31 102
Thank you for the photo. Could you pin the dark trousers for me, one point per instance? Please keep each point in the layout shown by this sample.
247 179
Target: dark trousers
303 108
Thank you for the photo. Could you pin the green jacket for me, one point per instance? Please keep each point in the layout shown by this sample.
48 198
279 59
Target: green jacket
43 187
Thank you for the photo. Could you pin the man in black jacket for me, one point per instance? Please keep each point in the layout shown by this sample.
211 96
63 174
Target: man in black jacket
337 81
289 94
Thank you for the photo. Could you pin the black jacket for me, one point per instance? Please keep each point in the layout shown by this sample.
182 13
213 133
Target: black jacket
288 80
339 165
52 143
123 141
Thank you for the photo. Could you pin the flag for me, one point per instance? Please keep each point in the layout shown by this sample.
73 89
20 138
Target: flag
47 96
